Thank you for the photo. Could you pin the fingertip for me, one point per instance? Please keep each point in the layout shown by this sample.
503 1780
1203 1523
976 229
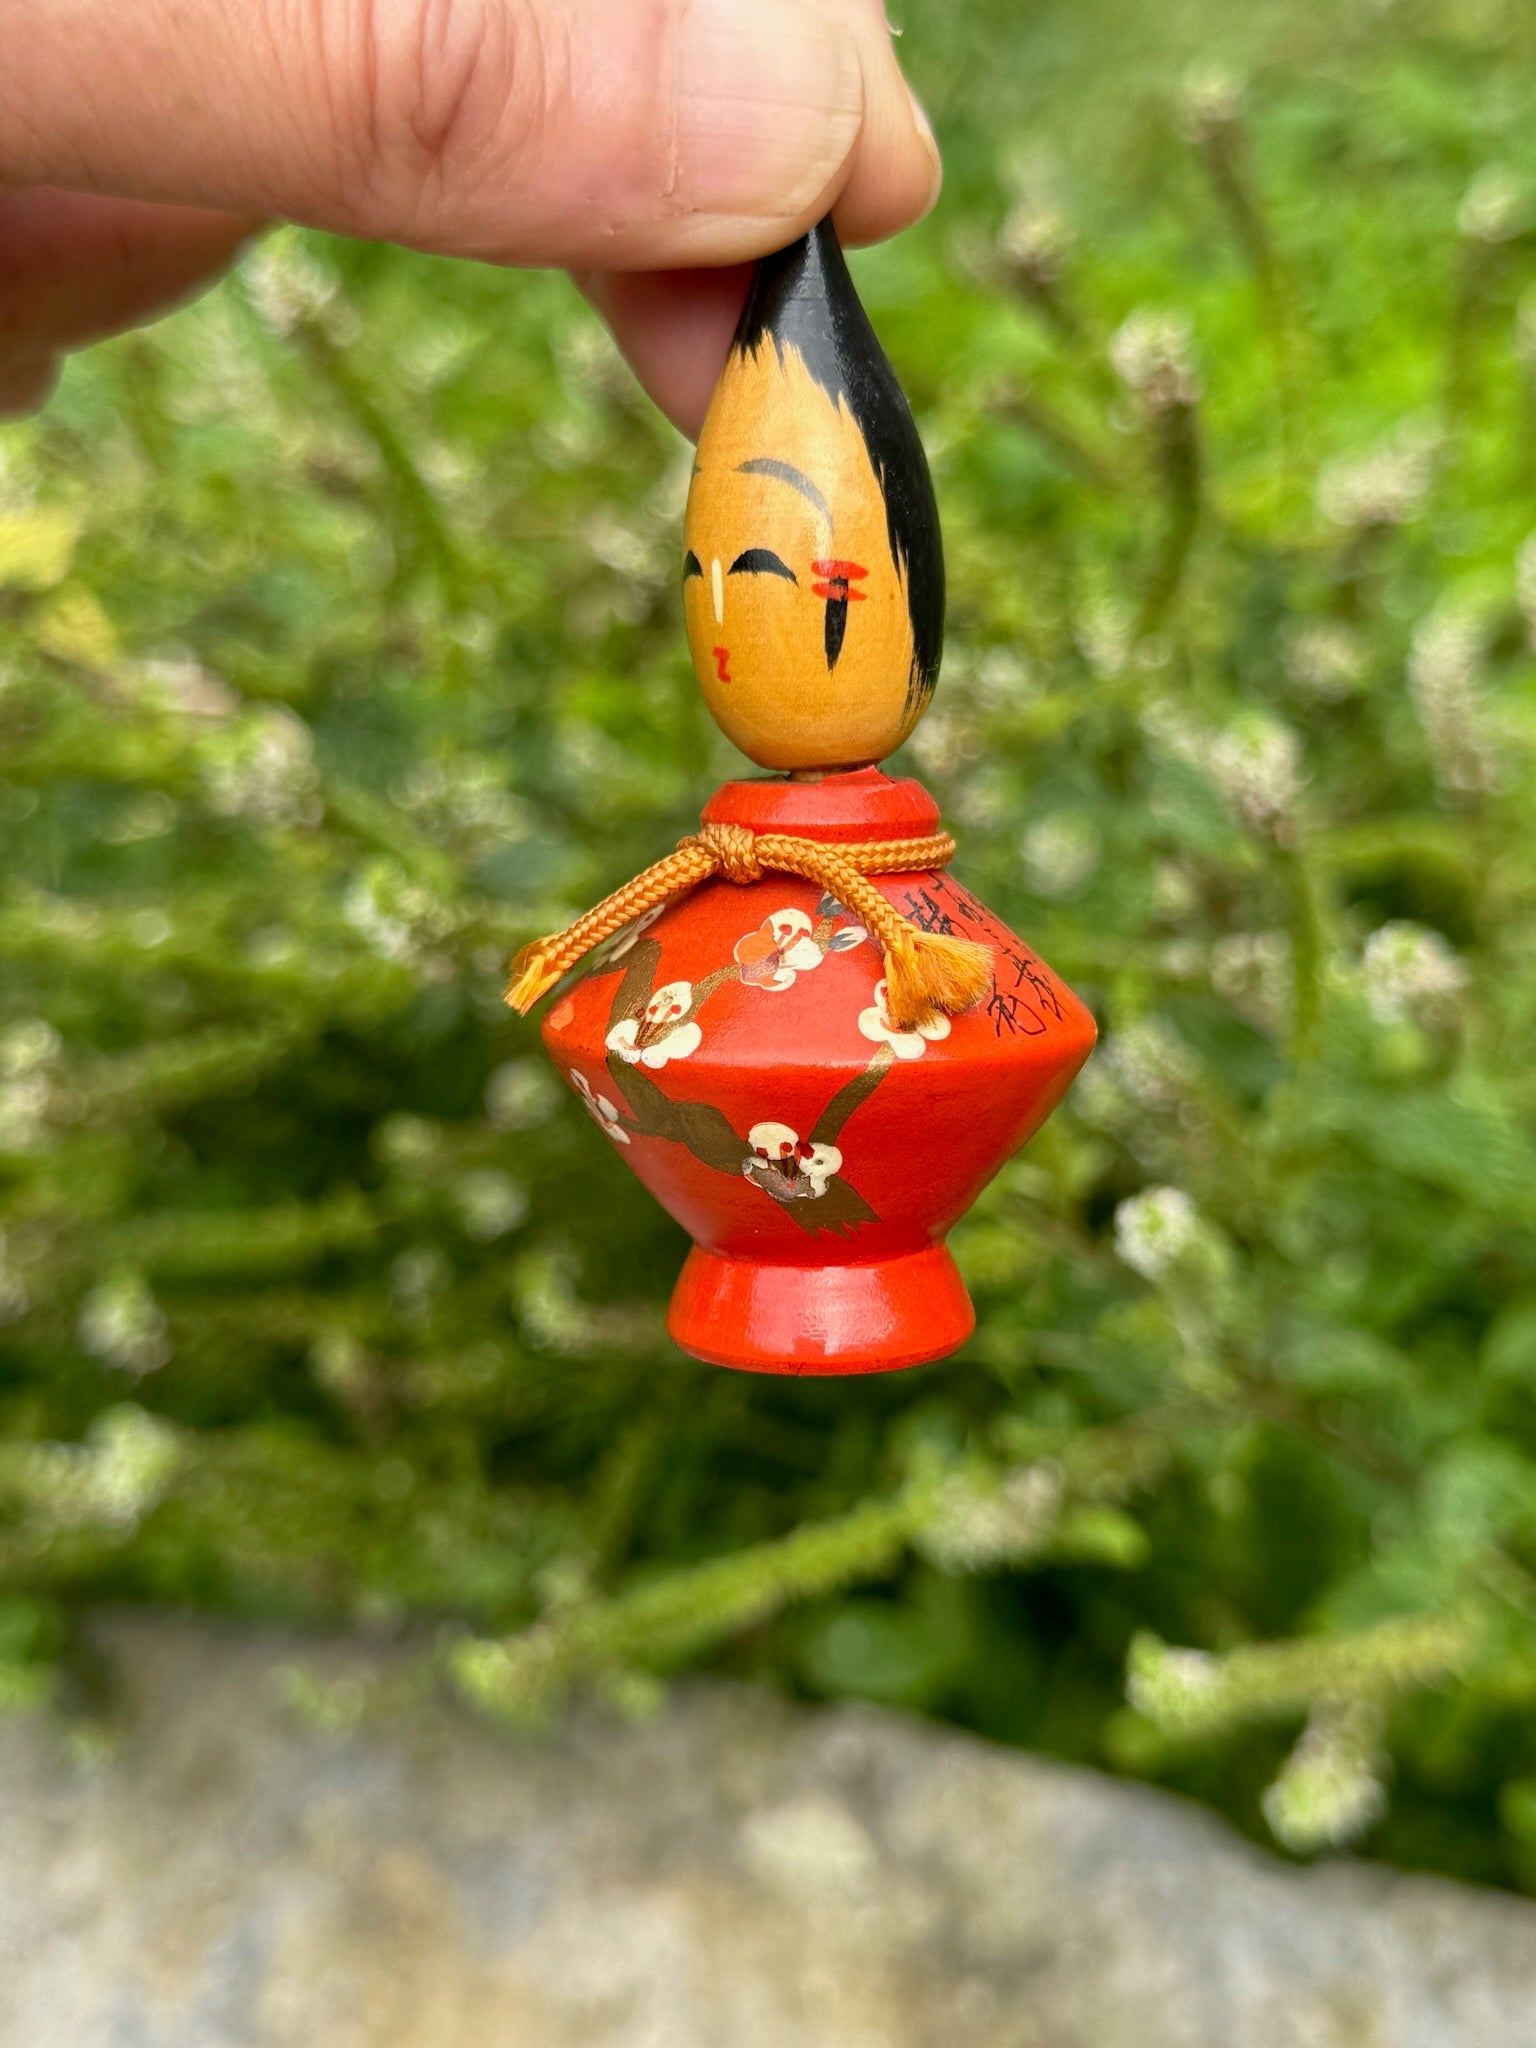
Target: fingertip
896 172
26 387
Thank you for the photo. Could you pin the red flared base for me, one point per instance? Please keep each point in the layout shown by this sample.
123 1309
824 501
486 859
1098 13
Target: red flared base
821 1319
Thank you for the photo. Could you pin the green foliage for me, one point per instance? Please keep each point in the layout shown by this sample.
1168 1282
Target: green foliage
340 652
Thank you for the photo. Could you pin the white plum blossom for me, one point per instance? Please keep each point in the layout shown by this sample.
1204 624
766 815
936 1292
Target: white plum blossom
787 1166
785 945
1410 971
780 948
875 1023
663 1031
603 1111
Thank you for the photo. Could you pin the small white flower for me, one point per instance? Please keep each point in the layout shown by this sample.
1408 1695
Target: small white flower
1035 241
1384 486
490 1203
1523 341
1252 971
13 1291
520 1095
1256 764
1525 585
1210 100
603 1112
1445 675
1495 208
1153 1063
787 1166
1325 658
1153 353
399 919
1331 1788
1410 971
875 1023
662 1031
1153 1229
1105 636
262 769
1060 853
29 1059
122 1325
290 289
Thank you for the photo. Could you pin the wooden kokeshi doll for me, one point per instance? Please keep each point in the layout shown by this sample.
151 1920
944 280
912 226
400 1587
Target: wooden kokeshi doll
810 1042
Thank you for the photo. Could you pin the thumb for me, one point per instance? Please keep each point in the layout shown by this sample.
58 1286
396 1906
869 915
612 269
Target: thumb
600 134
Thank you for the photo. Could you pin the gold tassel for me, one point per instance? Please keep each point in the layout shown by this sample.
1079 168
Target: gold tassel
532 976
927 973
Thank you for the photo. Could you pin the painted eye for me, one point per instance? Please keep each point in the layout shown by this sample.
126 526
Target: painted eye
692 566
762 562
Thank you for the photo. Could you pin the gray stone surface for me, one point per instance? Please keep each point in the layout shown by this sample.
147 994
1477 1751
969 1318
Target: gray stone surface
736 1874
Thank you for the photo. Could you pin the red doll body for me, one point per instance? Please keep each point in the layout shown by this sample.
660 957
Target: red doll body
736 1043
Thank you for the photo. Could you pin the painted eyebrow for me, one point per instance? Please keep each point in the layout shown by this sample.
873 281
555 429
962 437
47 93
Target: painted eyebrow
762 562
786 473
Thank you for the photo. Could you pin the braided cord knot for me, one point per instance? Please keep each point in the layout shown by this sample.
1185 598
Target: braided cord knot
734 847
925 972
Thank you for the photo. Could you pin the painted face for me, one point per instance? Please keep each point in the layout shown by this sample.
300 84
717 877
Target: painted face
796 610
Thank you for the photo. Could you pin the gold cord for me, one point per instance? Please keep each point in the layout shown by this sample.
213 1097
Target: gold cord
925 972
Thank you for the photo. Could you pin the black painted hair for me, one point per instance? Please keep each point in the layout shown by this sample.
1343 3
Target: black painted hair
803 298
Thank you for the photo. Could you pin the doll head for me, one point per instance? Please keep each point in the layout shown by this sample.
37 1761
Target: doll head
813 578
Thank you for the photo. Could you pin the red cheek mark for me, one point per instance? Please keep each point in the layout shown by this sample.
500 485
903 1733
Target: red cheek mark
722 663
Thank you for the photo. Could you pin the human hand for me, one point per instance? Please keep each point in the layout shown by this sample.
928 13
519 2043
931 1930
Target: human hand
648 146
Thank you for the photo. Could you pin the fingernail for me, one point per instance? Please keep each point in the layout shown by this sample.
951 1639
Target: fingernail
930 143
769 102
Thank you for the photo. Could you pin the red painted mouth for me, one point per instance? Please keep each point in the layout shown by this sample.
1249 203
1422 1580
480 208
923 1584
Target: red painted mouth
722 663
837 575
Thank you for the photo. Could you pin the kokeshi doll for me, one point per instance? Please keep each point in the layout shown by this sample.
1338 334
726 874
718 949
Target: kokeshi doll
810 1043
